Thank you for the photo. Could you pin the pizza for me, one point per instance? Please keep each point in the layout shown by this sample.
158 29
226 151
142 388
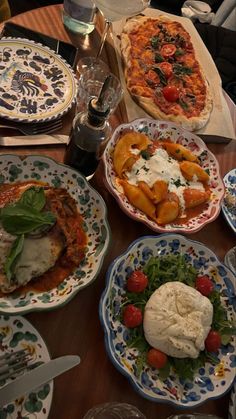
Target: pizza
162 72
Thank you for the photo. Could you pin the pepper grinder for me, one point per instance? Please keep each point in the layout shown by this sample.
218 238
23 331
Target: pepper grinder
90 132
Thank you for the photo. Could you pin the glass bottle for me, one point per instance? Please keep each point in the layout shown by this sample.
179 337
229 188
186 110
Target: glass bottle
90 132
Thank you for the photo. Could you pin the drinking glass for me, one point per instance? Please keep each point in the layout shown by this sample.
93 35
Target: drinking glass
86 63
114 410
90 84
113 10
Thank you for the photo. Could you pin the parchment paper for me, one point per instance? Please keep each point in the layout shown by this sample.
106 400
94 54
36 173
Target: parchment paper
220 122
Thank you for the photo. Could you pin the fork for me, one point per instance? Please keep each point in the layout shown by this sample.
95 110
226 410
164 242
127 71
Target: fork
33 129
14 362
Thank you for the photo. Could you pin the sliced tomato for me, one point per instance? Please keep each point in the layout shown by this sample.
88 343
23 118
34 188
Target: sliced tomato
167 50
156 358
132 316
213 341
166 68
137 282
204 285
171 93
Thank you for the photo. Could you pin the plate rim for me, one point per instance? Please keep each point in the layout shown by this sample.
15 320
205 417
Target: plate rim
106 328
223 206
156 228
32 327
22 310
73 79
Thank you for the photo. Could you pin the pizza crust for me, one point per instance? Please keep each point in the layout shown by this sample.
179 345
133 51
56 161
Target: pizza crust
191 123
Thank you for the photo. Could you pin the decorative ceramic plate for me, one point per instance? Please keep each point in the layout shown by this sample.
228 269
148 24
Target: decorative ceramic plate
36 85
161 129
91 207
17 333
209 382
230 188
232 403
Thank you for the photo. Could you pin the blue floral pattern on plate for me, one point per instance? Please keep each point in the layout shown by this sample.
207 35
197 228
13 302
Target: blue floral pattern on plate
209 382
230 187
17 333
37 85
93 210
161 129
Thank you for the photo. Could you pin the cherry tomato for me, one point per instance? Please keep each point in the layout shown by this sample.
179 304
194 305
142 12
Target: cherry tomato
132 316
137 282
156 358
166 68
171 93
213 341
204 285
168 50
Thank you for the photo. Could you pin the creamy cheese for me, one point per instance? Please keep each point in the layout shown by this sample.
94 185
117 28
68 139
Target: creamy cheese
177 320
161 166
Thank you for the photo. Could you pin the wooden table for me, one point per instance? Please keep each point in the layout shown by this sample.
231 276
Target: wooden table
75 328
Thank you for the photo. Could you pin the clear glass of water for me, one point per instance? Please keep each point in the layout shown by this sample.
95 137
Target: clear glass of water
86 63
79 16
90 84
114 410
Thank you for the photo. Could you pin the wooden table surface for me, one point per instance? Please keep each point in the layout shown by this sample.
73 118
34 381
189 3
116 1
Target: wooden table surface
75 328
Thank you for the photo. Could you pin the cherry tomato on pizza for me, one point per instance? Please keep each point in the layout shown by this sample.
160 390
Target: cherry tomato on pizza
156 358
132 316
204 285
137 282
213 341
171 93
166 68
168 50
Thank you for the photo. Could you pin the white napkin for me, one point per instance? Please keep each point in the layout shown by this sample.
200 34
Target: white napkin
197 10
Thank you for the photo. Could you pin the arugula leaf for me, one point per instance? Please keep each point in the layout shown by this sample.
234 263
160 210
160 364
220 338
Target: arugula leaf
158 58
161 75
179 52
33 197
155 42
15 252
181 70
20 219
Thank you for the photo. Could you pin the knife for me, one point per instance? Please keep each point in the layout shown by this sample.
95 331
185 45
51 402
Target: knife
36 377
32 140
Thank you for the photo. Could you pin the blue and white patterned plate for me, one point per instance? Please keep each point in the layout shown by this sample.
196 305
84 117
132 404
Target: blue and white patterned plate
17 333
230 187
232 403
91 207
36 84
209 382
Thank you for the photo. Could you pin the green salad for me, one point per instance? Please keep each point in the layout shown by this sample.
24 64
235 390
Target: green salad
141 285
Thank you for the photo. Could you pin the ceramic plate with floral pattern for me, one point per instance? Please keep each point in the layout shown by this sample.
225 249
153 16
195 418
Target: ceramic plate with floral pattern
161 130
91 207
229 202
17 333
36 84
232 403
209 381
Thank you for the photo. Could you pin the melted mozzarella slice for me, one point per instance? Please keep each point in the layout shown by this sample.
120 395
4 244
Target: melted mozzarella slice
37 257
177 320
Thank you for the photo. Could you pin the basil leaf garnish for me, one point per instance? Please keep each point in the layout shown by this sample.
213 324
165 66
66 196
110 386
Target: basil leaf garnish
181 70
21 219
158 58
33 197
15 252
155 42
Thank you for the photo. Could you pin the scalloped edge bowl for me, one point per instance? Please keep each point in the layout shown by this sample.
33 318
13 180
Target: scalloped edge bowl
14 168
206 385
155 129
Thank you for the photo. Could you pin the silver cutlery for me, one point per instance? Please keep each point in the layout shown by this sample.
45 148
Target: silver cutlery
14 362
33 129
33 140
36 377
